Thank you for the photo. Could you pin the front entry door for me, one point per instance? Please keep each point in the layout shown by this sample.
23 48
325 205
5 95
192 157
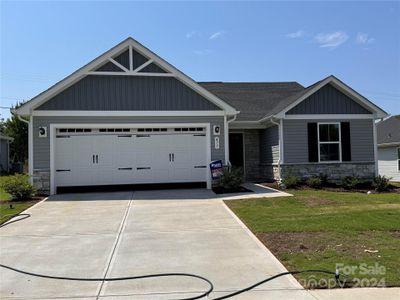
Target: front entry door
236 155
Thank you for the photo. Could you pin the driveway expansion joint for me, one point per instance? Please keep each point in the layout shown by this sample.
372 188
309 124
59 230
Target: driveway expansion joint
115 245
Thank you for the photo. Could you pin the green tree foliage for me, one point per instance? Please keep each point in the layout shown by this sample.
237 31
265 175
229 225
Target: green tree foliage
18 130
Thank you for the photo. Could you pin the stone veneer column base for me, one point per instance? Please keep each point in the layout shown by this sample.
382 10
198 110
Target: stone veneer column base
334 171
41 181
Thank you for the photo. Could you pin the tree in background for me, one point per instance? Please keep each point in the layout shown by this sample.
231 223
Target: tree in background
18 130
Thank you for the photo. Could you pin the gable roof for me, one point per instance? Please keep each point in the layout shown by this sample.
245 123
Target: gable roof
342 87
261 101
389 131
254 100
101 60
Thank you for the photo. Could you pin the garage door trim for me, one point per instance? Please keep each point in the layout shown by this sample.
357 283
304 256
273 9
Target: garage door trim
54 127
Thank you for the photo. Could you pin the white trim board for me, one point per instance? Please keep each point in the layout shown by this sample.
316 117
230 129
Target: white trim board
54 127
329 116
130 44
130 113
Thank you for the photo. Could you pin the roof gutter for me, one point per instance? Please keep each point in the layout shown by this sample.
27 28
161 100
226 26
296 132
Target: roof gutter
14 113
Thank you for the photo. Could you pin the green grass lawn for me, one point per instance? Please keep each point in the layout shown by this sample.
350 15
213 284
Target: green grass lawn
319 229
5 211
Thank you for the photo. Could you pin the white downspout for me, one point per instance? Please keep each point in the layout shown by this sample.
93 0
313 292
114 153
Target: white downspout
280 148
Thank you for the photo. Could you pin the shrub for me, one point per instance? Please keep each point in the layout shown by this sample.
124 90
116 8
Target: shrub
291 181
314 182
231 179
381 183
18 187
324 179
349 182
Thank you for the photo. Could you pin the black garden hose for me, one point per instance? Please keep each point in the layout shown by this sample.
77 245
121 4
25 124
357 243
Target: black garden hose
24 216
202 295
111 279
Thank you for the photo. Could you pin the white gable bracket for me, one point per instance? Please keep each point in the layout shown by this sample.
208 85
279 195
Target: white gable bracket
129 44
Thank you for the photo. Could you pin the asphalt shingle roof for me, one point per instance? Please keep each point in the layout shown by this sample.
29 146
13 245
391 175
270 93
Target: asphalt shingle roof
256 100
389 130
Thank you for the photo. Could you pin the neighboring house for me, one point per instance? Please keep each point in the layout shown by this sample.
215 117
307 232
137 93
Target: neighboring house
5 152
389 147
131 117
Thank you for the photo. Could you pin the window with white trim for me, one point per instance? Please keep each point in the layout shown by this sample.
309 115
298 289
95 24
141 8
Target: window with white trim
329 141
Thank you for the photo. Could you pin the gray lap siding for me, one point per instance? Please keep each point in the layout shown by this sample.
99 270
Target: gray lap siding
296 146
41 146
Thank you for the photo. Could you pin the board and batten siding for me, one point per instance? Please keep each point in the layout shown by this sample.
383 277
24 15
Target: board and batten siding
295 141
328 100
41 146
102 93
388 162
269 145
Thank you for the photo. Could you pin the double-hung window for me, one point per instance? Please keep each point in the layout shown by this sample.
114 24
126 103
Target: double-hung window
329 142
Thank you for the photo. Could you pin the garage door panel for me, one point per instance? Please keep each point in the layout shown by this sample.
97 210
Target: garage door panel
130 158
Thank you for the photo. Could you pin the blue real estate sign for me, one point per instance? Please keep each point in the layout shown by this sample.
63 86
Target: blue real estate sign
216 168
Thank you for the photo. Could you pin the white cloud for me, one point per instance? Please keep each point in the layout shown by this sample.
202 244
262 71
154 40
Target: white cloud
364 39
191 34
295 35
331 39
217 35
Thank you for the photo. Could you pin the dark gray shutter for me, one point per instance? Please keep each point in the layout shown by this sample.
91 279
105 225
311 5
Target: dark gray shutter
312 142
346 144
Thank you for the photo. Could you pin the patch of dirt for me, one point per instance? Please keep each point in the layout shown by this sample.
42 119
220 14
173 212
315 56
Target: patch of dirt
279 242
395 233
307 242
313 201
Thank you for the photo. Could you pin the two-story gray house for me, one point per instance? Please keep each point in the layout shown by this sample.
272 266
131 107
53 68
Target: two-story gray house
130 117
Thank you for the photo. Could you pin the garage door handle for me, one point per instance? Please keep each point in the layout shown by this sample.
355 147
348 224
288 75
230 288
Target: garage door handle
173 156
63 170
124 168
143 168
93 158
97 159
200 167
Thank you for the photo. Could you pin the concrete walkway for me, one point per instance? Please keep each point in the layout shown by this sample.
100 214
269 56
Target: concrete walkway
136 233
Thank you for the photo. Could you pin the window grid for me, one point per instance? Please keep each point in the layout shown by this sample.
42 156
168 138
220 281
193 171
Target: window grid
339 142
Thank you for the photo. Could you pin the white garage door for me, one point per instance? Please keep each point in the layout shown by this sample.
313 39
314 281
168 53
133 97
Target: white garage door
108 156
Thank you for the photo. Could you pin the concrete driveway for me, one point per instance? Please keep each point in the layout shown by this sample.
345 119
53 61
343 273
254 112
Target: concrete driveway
135 233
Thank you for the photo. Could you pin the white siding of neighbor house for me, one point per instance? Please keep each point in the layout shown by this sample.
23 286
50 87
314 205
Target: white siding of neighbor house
388 162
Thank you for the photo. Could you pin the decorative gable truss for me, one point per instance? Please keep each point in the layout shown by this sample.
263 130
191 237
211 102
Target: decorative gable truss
131 63
128 58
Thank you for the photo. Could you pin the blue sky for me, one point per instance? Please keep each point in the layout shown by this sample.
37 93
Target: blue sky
359 42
